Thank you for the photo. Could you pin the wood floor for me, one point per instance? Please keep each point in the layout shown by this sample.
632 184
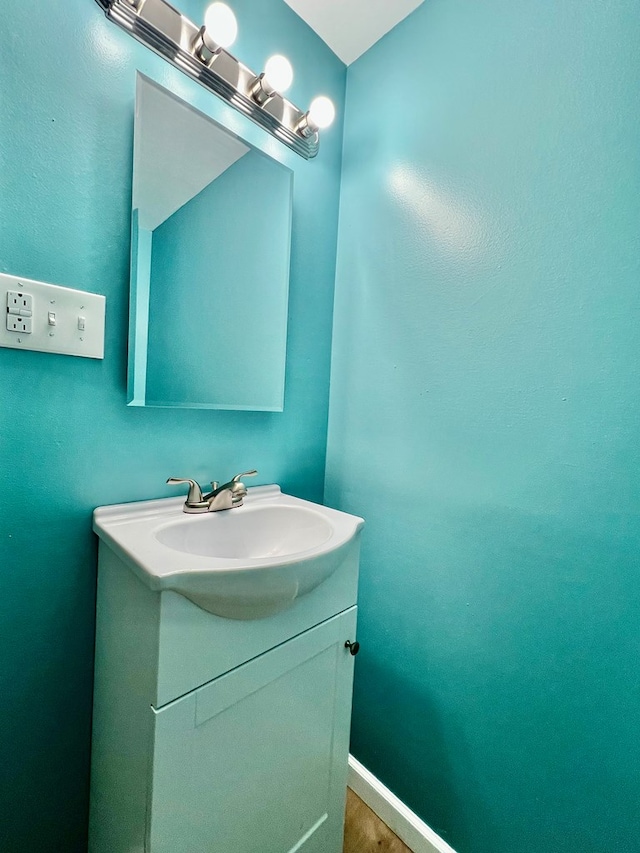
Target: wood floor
364 832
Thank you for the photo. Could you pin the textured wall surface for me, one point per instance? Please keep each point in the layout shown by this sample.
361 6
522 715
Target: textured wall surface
484 418
69 442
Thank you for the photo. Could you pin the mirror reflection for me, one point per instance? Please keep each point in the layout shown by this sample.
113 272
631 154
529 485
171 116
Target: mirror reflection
211 225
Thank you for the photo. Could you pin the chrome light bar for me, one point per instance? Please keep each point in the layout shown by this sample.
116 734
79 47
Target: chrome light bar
157 25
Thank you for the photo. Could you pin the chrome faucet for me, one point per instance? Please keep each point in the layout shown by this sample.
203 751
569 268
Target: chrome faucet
227 496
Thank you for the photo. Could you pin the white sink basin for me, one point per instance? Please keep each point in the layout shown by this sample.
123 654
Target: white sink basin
243 563
259 531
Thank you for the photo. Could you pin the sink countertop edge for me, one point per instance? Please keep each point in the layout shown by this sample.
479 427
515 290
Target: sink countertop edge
108 519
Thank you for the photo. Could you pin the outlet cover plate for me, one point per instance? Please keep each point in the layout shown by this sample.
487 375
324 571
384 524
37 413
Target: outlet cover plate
68 306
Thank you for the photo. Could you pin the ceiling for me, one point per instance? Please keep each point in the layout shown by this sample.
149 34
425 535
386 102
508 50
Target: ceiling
350 27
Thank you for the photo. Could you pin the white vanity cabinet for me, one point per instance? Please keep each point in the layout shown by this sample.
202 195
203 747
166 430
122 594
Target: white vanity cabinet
255 760
217 734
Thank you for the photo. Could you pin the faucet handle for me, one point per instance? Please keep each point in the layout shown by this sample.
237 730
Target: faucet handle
195 492
246 474
238 489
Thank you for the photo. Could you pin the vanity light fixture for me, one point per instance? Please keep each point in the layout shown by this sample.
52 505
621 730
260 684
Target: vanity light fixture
201 53
219 31
321 114
275 79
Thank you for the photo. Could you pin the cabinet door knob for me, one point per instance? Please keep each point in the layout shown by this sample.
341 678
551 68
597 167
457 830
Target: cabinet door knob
354 648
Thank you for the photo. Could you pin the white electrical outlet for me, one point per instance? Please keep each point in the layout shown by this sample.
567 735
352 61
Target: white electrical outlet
19 312
19 303
50 318
19 324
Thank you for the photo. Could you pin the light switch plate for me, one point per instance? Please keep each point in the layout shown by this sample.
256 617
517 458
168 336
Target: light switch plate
67 305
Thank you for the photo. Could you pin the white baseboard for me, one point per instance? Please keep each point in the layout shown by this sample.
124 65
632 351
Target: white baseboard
399 818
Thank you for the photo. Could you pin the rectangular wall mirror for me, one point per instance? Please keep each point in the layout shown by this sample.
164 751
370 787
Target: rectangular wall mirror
211 233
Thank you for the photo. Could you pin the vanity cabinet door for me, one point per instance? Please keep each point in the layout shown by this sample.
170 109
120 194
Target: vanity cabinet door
256 761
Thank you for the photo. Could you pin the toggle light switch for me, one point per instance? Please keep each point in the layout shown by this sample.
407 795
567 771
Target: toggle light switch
52 318
81 322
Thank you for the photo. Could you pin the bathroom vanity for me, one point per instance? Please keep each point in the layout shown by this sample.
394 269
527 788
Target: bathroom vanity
223 680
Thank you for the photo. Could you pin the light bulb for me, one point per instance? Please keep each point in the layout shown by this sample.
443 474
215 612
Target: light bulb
321 112
220 26
278 73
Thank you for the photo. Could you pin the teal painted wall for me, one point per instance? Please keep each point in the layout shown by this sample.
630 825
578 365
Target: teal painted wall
241 295
69 442
484 418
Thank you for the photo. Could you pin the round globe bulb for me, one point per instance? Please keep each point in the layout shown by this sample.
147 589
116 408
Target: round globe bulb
278 73
220 24
322 112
